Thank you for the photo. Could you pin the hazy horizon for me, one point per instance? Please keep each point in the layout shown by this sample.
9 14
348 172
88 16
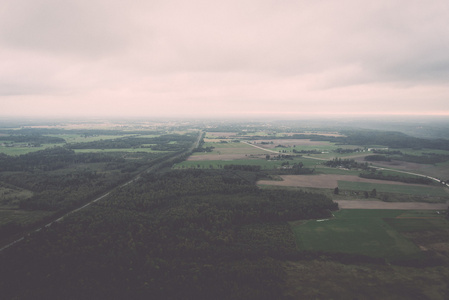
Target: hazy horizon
237 59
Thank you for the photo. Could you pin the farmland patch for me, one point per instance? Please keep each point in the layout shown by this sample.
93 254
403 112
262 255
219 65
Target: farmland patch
356 232
328 181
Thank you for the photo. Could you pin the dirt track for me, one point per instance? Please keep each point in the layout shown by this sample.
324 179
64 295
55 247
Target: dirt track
367 204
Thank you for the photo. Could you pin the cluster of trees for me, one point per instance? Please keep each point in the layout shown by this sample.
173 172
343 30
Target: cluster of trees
366 194
347 164
295 169
377 157
278 157
203 149
194 234
307 151
343 150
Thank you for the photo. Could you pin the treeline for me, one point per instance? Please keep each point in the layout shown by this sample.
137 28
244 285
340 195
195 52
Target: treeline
342 150
194 234
377 158
57 158
387 152
47 159
251 168
32 138
295 169
380 176
306 151
347 164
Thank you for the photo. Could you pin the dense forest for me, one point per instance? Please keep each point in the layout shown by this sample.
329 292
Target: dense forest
192 234
58 179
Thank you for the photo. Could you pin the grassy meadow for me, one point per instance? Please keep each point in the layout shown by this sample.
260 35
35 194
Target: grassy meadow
375 233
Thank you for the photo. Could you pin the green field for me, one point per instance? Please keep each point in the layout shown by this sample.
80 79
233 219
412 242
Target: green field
14 151
357 232
393 188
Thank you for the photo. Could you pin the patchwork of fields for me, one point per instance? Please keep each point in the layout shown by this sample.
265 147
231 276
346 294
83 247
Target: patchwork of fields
254 152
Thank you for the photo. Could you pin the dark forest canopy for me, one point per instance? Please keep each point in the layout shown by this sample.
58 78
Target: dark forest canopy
192 234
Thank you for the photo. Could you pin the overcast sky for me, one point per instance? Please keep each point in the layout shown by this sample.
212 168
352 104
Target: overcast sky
244 58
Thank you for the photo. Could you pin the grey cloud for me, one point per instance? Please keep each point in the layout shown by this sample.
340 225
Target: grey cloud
251 50
67 27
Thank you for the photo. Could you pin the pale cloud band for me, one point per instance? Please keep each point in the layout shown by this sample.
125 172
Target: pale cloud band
201 58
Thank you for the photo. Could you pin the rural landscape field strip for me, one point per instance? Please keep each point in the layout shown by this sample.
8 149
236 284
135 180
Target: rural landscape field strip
374 204
331 181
